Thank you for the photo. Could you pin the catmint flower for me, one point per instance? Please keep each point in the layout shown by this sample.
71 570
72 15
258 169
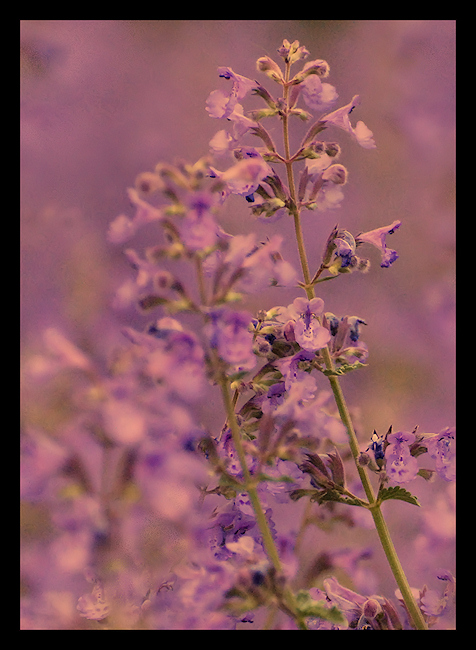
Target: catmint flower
304 316
292 367
198 228
345 344
317 95
244 177
292 52
401 466
261 265
378 238
434 604
122 228
270 68
362 612
219 103
179 363
340 118
442 447
229 333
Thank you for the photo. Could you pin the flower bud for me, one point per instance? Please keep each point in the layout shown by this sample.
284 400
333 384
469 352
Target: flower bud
363 459
270 68
292 52
148 182
319 67
336 174
371 608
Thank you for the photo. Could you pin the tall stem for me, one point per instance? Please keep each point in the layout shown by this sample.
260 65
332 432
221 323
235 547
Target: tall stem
379 521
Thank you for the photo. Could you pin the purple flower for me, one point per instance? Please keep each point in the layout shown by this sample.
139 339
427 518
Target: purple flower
198 228
122 228
290 367
317 95
221 104
304 314
244 177
259 265
179 363
168 477
229 333
378 238
361 133
402 467
442 447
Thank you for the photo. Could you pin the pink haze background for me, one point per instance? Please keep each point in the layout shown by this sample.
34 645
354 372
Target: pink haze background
102 101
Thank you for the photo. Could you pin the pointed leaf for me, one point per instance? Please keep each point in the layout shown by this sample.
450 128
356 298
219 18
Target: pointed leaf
307 606
344 369
399 493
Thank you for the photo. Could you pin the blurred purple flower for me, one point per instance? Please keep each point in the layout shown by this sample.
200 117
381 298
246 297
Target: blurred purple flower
229 333
442 447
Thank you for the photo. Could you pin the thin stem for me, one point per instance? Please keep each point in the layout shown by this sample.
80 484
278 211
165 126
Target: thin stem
287 602
201 280
254 498
399 574
379 521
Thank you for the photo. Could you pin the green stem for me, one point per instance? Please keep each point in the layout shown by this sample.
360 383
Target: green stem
287 603
250 488
379 521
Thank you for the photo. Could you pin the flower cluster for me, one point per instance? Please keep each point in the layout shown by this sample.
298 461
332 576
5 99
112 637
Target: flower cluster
174 523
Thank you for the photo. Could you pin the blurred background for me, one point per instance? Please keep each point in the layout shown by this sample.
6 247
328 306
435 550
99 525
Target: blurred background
102 101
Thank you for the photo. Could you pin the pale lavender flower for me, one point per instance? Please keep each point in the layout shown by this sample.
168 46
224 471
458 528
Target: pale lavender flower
263 265
179 364
401 466
221 104
169 478
122 228
317 95
304 316
244 177
291 367
378 238
340 118
442 447
229 332
198 228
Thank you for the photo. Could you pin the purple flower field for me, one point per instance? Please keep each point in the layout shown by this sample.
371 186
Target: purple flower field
237 324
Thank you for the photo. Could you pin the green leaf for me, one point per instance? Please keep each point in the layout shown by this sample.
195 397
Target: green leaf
344 369
397 492
299 494
307 606
329 277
